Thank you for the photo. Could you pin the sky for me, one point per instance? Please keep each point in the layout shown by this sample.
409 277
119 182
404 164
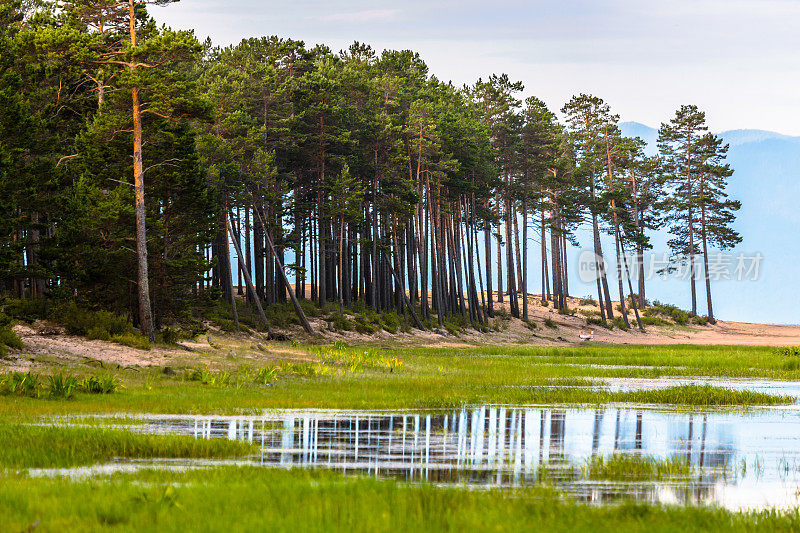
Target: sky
735 59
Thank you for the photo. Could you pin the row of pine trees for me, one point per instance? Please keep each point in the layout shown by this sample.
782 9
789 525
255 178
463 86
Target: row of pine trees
133 157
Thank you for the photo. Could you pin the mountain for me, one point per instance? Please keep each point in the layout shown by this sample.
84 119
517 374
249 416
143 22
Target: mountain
767 182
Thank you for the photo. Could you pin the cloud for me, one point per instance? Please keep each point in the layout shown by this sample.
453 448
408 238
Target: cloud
361 16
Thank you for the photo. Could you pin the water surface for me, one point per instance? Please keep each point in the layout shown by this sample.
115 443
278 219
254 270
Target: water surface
740 460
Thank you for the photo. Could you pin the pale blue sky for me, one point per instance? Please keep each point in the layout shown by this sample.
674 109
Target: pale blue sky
737 59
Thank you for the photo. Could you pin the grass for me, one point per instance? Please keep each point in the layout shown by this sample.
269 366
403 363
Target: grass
252 499
284 375
359 377
55 446
56 386
634 468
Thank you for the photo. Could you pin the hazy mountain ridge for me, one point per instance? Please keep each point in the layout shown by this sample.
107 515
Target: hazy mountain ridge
767 182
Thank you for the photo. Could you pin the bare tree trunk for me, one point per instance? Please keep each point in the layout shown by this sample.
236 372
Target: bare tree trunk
711 318
145 309
525 259
242 270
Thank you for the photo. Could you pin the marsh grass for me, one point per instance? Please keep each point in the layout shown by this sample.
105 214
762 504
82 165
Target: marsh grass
62 446
57 386
252 499
635 468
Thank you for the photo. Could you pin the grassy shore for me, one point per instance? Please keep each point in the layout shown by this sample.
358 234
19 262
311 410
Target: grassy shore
394 377
281 375
252 499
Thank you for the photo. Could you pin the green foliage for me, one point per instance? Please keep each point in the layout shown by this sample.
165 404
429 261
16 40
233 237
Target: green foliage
9 339
619 323
99 385
654 321
788 351
132 339
588 300
672 312
567 311
62 387
628 467
57 386
19 384
593 321
549 323
57 446
27 310
80 321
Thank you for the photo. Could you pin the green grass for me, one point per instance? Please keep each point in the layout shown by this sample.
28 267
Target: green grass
627 467
387 378
60 446
252 499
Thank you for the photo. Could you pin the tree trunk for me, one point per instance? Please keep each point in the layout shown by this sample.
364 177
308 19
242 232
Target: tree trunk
145 309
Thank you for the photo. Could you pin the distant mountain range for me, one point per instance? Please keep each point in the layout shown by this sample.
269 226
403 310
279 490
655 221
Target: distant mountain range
767 182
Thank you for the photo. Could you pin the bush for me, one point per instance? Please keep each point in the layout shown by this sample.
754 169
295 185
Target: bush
598 322
788 351
19 384
340 322
28 310
589 313
134 340
567 311
587 301
391 322
98 333
99 385
700 320
61 386
549 323
677 315
9 339
654 321
79 321
619 322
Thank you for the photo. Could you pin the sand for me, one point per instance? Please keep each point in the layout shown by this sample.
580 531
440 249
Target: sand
47 344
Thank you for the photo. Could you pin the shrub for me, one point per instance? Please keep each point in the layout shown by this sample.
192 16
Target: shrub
79 321
134 340
591 321
341 322
9 339
788 351
549 323
531 325
589 313
27 310
619 322
391 322
677 315
700 320
98 333
567 311
61 386
654 321
19 384
587 301
99 385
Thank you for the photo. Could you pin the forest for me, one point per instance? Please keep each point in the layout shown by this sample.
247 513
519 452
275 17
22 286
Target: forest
137 163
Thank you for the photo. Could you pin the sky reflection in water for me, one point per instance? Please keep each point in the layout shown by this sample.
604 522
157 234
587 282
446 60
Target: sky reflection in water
741 460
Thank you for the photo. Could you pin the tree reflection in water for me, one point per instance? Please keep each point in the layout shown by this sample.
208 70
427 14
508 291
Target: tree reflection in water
495 446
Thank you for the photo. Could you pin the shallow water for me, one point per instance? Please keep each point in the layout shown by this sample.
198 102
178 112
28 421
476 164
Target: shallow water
741 460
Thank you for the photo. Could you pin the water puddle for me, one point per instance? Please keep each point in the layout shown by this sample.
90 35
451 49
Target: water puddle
738 460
